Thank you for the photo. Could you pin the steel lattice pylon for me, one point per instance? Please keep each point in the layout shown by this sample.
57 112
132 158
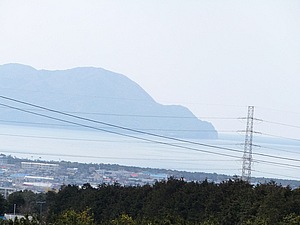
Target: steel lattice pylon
247 157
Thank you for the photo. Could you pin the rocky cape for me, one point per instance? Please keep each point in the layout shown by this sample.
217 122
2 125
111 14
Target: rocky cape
96 94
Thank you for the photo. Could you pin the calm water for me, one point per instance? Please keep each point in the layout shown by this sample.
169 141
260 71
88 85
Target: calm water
96 147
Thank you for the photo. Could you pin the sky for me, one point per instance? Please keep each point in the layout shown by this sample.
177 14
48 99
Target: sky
215 57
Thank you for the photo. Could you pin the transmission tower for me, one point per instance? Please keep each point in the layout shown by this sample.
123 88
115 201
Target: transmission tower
247 157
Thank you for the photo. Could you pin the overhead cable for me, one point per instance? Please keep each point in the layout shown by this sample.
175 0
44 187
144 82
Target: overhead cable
130 129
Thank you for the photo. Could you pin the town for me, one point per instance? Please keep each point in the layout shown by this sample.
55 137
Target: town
20 174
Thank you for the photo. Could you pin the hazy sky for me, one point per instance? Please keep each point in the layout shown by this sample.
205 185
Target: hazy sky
214 56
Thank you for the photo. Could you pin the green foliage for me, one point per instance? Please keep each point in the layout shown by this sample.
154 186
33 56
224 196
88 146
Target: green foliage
210 222
2 204
17 199
291 219
174 201
124 219
71 217
26 202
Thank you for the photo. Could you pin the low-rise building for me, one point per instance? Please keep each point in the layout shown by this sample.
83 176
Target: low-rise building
39 166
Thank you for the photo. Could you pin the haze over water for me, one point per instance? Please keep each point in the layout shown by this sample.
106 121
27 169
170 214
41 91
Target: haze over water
96 147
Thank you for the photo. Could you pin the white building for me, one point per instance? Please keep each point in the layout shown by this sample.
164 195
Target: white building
39 166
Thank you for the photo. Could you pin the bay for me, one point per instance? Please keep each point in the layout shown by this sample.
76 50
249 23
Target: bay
223 156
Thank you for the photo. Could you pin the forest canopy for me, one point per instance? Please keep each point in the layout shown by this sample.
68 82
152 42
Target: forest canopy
174 201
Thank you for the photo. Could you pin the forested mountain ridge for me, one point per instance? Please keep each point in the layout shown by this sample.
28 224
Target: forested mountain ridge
97 94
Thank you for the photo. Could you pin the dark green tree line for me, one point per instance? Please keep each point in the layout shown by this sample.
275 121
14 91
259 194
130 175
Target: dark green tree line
167 202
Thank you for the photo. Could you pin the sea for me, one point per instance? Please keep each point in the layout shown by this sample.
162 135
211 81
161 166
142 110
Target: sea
271 157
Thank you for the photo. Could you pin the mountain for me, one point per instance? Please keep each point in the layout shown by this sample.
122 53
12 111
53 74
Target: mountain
96 94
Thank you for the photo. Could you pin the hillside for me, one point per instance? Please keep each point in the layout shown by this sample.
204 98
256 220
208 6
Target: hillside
97 94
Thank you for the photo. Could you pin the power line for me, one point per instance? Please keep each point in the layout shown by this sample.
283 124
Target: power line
121 134
136 131
105 157
124 158
166 102
103 123
279 123
279 136
277 110
80 139
276 163
142 129
143 116
135 158
78 95
276 174
149 140
259 161
35 123
279 149
159 142
65 138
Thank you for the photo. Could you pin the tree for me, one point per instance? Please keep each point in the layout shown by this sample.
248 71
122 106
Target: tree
291 219
71 217
2 204
124 219
15 201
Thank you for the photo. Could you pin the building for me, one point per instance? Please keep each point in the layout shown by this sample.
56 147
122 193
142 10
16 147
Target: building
39 166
